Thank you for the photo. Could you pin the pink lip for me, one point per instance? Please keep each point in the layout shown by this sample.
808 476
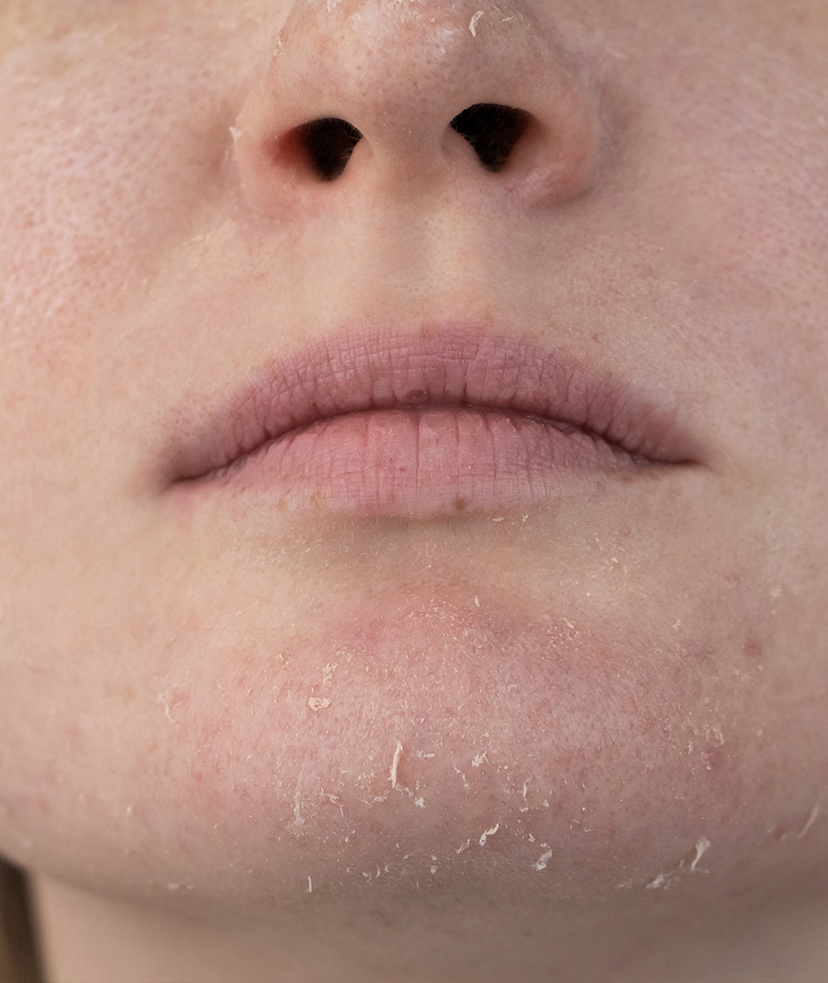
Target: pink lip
380 423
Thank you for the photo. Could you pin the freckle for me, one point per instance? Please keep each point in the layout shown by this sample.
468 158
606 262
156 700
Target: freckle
460 504
753 648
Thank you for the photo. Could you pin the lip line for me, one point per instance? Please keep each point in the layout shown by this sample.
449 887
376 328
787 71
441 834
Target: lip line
350 372
561 425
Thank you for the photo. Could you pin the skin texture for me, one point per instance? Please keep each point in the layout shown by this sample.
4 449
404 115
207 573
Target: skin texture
599 717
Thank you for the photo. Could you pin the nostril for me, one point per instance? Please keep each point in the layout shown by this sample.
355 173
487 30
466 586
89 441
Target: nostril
328 144
492 131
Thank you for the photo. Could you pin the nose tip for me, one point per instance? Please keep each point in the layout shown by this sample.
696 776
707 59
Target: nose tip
410 96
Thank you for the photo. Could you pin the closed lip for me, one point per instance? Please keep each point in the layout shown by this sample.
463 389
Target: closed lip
360 370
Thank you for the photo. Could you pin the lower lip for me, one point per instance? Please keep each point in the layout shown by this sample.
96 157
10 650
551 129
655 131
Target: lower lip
420 462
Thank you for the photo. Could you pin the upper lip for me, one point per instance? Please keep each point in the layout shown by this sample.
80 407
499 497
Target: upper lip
360 370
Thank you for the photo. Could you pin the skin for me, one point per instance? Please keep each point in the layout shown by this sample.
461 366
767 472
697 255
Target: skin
605 714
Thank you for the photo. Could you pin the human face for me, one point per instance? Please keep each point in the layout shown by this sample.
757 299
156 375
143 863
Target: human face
592 671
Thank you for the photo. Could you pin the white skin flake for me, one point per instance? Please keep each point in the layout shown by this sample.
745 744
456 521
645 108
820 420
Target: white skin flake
542 861
701 847
665 880
397 755
811 820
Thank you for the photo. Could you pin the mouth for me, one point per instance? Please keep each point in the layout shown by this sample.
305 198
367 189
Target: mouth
450 420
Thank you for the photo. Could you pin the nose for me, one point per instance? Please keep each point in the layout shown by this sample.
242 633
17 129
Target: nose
403 97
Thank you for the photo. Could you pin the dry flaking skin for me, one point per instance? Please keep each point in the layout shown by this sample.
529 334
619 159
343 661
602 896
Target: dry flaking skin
471 738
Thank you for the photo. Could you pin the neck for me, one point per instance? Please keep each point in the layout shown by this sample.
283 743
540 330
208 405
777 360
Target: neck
102 940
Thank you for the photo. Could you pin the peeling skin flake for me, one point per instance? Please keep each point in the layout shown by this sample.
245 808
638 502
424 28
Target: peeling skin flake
473 23
666 879
488 833
542 861
701 847
318 703
394 764
811 820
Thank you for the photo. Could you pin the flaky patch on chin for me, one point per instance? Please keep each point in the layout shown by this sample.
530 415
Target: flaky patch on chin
444 731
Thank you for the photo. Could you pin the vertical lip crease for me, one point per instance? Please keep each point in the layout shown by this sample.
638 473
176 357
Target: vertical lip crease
358 371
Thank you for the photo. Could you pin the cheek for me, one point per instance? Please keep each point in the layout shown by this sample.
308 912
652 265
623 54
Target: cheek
732 189
102 168
105 162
